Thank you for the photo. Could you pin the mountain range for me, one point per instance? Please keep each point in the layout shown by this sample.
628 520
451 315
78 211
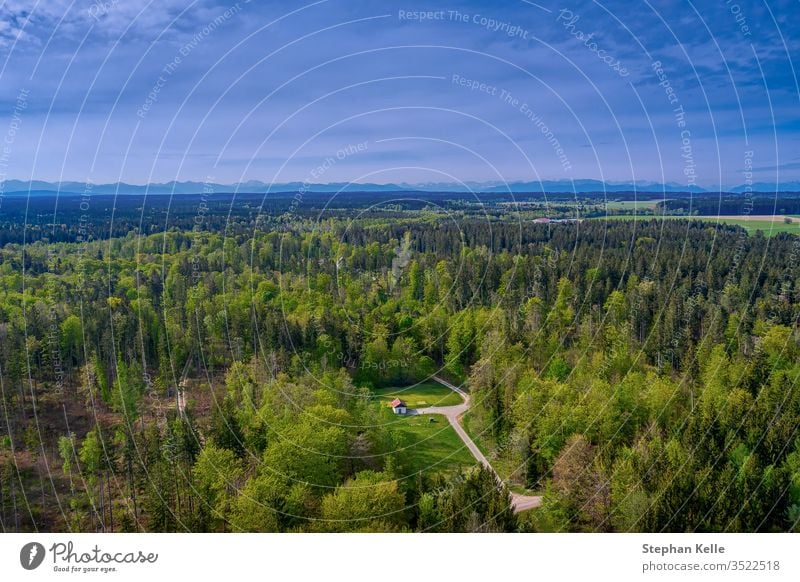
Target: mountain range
38 187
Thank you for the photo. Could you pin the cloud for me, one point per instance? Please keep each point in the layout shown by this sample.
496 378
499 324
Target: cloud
778 167
37 22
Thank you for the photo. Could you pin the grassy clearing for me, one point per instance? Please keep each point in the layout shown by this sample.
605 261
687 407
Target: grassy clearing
631 204
419 396
429 443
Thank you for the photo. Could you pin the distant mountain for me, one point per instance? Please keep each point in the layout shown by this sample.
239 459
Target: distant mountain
37 187
41 188
769 187
591 186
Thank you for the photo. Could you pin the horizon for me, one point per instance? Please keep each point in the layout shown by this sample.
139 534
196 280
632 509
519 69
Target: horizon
514 186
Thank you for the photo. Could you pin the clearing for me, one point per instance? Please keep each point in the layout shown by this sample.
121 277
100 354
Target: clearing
430 444
419 395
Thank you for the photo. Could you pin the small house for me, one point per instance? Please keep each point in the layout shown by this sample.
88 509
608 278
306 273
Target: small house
398 406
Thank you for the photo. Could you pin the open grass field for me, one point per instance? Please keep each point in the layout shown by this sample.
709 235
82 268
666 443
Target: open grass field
429 443
631 204
769 225
420 395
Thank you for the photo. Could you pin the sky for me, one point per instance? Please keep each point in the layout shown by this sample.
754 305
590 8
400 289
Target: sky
691 93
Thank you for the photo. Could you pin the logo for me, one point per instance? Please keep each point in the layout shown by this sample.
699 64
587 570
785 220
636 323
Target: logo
31 555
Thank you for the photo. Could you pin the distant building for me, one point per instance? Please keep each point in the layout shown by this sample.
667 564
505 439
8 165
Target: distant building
398 406
545 220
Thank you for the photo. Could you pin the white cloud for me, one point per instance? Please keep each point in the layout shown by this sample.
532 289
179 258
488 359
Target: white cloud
36 21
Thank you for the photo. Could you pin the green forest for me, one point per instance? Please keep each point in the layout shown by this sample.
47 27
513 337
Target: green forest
637 375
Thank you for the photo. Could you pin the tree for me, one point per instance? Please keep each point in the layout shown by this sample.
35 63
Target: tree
578 483
92 458
72 340
313 448
473 502
216 475
369 502
259 505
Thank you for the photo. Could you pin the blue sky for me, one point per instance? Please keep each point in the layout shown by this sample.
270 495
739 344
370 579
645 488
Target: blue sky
348 90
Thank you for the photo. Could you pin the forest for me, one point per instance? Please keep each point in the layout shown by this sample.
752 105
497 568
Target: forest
758 203
225 376
51 216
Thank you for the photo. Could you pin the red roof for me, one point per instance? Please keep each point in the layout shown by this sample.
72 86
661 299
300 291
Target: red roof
397 402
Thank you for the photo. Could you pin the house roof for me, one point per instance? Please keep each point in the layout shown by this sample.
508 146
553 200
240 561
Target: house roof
397 402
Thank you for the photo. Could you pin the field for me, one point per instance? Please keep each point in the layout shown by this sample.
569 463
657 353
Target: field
429 443
769 225
419 395
631 204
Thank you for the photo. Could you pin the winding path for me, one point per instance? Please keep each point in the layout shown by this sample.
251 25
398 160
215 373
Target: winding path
453 413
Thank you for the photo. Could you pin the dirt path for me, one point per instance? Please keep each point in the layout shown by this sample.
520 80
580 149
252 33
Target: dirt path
453 413
180 395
